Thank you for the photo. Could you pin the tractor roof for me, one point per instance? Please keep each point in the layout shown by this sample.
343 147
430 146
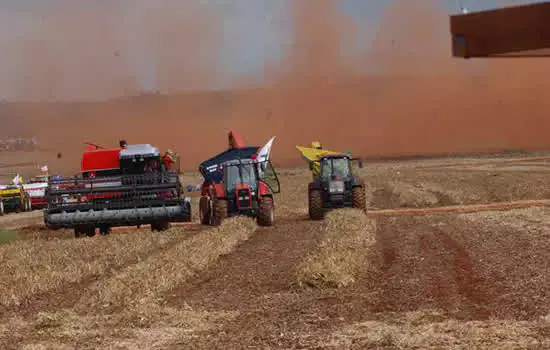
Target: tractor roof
239 162
146 150
209 168
333 156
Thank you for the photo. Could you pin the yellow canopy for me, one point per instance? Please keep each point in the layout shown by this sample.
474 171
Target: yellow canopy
312 155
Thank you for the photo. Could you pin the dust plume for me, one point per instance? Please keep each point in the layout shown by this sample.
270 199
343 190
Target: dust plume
417 99
420 100
73 60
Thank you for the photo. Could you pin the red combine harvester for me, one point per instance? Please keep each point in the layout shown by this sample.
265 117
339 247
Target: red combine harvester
238 181
130 185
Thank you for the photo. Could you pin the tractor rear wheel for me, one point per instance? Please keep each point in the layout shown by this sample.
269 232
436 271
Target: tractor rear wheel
358 198
315 205
267 212
220 211
204 210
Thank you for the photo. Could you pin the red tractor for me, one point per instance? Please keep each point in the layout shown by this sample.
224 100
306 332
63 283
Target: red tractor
236 183
125 186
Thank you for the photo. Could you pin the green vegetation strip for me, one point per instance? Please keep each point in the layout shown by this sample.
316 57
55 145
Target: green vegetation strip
7 236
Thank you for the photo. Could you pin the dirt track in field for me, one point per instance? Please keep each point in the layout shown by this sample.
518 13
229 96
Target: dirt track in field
474 273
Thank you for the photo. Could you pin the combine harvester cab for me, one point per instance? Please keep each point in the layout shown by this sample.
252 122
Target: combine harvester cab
126 186
335 184
239 181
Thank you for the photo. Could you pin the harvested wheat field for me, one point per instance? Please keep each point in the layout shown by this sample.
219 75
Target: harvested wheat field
406 276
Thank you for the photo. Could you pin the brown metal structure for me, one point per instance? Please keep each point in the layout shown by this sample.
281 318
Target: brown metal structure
517 31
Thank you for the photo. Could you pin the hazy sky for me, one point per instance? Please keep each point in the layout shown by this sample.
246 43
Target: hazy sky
253 31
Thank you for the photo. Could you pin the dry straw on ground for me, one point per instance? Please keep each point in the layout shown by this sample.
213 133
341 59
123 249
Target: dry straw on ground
431 329
143 283
38 266
169 326
349 238
127 309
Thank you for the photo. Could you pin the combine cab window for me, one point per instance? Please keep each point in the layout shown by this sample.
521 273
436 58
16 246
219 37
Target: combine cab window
139 165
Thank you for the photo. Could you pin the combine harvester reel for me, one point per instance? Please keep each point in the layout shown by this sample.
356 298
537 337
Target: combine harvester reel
334 185
240 181
125 186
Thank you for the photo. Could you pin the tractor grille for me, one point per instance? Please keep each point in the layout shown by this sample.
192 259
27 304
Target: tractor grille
336 197
243 197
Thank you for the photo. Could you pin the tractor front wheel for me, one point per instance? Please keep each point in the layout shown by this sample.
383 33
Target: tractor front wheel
204 210
316 205
220 211
266 216
358 198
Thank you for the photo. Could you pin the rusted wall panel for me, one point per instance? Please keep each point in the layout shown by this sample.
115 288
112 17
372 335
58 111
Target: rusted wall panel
501 31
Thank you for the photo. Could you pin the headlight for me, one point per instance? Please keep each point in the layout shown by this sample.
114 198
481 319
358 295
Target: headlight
336 187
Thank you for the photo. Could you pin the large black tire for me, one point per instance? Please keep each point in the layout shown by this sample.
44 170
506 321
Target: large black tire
358 198
266 217
315 200
90 232
189 218
160 226
204 210
220 211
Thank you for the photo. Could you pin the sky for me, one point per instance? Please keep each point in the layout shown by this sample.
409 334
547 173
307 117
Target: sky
253 32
